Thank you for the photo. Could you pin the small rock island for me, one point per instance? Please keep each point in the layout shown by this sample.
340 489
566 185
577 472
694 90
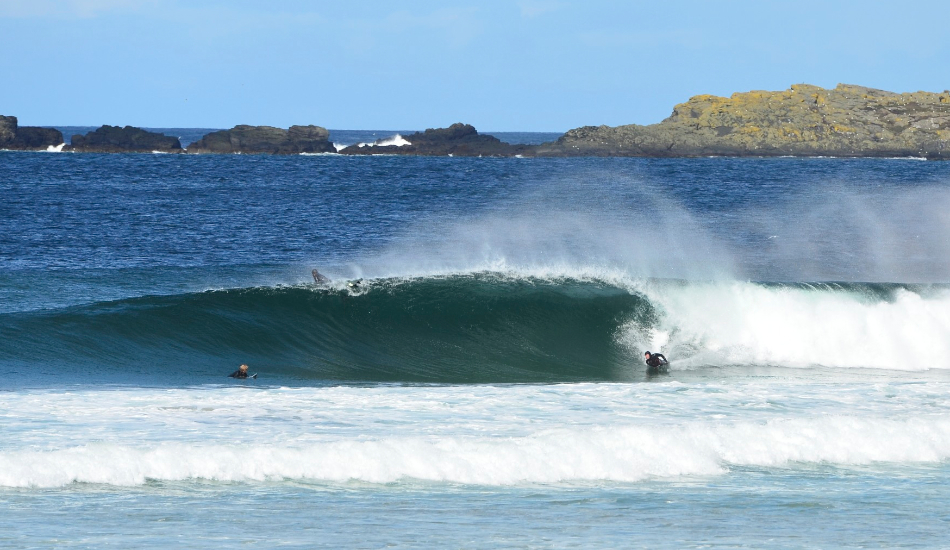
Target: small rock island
265 140
27 138
458 140
128 139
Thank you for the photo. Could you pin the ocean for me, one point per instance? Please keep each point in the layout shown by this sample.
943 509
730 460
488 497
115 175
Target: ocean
472 375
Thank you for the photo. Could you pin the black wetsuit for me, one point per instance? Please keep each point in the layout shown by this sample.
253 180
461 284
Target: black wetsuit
656 360
238 374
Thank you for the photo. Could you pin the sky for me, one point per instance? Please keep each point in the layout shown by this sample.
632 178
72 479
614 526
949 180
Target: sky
516 65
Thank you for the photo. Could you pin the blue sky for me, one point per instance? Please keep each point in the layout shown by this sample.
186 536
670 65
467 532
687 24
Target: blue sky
500 65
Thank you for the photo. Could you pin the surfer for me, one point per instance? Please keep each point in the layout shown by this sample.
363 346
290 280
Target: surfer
655 360
240 373
319 278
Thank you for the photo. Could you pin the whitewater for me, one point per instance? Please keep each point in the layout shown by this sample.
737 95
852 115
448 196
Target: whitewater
472 374
482 435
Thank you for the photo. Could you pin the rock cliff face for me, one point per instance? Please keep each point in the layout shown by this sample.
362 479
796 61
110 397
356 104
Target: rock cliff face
8 125
265 139
113 139
459 139
13 136
35 138
848 121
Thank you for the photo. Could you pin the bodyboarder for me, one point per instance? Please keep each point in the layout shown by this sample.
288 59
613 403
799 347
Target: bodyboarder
241 373
655 361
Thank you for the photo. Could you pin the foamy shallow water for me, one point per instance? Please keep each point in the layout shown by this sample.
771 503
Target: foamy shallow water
522 465
484 435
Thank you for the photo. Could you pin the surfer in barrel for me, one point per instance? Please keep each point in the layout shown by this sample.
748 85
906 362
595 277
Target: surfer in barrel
655 361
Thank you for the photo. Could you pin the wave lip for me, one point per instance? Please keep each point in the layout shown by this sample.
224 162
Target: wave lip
617 454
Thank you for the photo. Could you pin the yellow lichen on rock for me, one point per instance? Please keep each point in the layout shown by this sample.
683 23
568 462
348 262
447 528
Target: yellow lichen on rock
848 120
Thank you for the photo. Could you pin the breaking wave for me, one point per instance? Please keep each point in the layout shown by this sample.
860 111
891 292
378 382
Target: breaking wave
488 328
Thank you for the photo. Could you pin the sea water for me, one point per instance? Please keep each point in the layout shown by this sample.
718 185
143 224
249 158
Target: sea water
472 375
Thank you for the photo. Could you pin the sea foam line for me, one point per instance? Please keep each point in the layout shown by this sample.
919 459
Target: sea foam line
622 454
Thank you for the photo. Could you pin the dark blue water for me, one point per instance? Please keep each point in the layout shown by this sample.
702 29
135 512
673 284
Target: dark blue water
138 211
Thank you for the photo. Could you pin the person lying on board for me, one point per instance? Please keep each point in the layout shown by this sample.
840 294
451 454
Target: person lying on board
241 373
655 360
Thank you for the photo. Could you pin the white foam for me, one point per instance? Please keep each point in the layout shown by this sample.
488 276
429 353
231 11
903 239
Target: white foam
55 148
744 323
394 141
465 434
623 454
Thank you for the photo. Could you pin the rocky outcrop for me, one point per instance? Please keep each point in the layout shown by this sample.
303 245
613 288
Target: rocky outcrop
8 126
113 139
265 139
35 138
459 139
28 138
848 121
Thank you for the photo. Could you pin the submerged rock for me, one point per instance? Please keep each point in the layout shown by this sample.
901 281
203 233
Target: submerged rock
457 140
265 139
848 121
28 138
113 139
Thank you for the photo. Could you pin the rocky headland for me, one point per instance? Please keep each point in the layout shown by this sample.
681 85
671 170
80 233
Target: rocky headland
27 138
805 121
848 121
459 140
114 139
265 140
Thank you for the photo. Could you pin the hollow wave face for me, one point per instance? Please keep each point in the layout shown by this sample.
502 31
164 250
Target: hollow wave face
470 328
487 328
